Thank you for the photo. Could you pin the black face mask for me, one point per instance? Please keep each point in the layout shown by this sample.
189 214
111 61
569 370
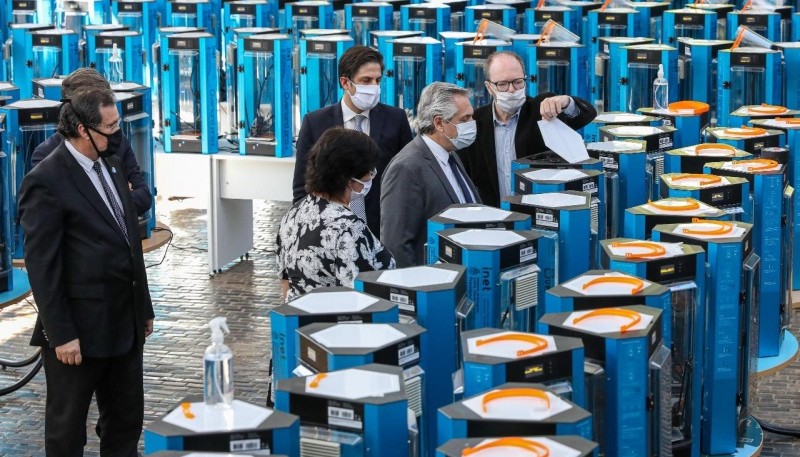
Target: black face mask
114 143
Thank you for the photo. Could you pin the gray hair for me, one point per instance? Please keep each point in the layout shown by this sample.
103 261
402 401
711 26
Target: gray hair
495 55
437 99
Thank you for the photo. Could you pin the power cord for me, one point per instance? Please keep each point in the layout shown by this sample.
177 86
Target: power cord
169 243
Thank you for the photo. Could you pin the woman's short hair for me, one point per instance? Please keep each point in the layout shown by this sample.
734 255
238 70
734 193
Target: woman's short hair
338 156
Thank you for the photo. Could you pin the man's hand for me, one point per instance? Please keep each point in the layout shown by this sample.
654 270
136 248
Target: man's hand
148 327
553 106
69 353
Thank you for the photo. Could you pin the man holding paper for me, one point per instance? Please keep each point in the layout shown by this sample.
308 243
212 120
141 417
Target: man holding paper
508 128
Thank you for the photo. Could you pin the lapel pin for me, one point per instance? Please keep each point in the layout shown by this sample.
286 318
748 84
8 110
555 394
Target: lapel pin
113 170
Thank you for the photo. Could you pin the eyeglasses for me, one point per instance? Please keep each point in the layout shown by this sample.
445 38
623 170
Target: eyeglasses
503 86
371 175
111 127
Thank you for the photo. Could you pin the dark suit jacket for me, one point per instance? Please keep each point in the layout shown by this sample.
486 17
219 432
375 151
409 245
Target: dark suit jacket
388 126
480 159
414 189
141 192
88 282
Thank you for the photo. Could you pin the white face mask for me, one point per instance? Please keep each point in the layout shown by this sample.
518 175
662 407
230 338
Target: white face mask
366 96
367 185
465 136
510 102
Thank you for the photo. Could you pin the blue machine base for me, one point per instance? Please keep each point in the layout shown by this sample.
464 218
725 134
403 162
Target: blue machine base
749 444
21 288
786 355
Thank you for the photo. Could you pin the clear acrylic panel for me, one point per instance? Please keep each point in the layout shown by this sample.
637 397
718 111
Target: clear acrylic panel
688 31
427 26
410 79
362 27
188 90
261 122
553 76
474 79
748 338
640 85
137 128
595 381
748 86
685 78
659 419
684 308
46 62
108 70
328 79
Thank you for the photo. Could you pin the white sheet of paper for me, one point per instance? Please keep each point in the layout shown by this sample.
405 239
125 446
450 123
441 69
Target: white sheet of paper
564 141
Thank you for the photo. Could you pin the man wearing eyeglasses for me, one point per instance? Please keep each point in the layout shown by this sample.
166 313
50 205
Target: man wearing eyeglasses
508 128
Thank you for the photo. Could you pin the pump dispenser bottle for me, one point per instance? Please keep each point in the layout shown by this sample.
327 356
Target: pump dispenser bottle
218 358
660 91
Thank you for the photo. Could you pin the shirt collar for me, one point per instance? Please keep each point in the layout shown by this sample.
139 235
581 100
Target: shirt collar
86 163
511 119
348 114
439 152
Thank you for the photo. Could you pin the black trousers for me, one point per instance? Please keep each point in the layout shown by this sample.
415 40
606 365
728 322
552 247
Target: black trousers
118 386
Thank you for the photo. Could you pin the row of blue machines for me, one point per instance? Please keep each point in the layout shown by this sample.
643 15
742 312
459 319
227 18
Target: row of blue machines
271 64
616 306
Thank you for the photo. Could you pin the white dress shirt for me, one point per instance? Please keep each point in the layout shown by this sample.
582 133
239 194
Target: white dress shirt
87 164
349 116
442 157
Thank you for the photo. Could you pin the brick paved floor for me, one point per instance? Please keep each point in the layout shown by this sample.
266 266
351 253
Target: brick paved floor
186 298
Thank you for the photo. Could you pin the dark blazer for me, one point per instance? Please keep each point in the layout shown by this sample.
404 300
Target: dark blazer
480 159
141 192
88 282
388 126
414 189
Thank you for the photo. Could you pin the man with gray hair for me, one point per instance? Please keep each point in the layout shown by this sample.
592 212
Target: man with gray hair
427 176
88 278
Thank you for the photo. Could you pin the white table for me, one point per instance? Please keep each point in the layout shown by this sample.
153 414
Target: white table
227 184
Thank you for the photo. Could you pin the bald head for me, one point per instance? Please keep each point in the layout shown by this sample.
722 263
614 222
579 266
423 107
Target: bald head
503 66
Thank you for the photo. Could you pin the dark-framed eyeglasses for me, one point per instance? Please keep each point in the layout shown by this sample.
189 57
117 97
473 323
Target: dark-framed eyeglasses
503 86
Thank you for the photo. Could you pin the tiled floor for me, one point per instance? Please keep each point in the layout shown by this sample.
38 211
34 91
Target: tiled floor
186 298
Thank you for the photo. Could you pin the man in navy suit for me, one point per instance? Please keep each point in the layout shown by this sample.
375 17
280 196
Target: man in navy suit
360 71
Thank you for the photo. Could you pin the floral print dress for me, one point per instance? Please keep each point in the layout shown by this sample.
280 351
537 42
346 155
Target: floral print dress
324 244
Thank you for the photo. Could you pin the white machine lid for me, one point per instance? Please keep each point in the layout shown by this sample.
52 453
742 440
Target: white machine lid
475 214
353 384
334 302
487 237
358 336
417 277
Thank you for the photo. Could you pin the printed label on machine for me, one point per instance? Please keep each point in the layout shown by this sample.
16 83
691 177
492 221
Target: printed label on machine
246 445
407 354
341 415
527 253
546 218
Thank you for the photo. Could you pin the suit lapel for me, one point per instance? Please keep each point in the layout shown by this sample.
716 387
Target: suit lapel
338 116
489 149
376 119
437 169
84 185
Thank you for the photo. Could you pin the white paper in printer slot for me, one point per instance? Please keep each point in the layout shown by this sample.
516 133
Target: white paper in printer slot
743 167
619 118
605 324
703 209
507 349
563 140
703 226
554 200
555 175
694 182
475 214
518 408
354 383
603 288
219 418
555 449
672 250
614 146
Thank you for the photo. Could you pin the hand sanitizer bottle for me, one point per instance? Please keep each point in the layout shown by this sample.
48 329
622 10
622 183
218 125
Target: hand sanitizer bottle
218 373
660 91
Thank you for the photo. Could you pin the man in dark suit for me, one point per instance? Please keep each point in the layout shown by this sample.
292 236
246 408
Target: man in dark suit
360 70
508 128
83 78
88 277
426 176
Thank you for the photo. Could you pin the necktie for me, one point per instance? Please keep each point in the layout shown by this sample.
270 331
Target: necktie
118 214
461 183
359 119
